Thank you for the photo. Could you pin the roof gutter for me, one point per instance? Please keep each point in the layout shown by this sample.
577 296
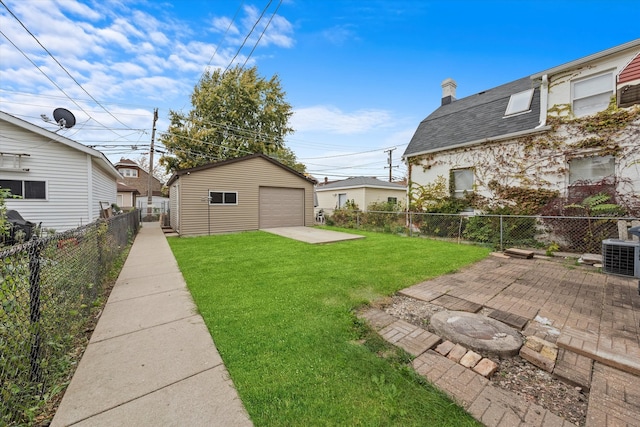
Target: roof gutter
380 187
537 129
586 59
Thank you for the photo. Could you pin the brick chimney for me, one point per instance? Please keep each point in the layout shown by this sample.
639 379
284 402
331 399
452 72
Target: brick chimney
448 91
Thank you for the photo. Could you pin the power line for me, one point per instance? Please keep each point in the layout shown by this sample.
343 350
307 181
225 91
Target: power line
221 40
247 37
262 34
58 62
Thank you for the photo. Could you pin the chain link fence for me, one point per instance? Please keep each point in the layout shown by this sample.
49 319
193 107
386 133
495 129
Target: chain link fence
51 292
560 233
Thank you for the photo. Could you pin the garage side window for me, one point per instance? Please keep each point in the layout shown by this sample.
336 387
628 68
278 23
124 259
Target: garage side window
223 197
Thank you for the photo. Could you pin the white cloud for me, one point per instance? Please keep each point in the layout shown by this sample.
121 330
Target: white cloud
332 119
223 25
338 35
79 9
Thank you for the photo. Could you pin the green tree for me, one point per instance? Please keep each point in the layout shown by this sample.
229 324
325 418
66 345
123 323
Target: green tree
234 114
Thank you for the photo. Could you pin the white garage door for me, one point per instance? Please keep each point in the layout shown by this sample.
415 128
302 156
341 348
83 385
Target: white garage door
281 207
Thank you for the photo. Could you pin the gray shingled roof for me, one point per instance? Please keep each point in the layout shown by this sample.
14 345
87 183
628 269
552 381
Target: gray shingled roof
474 118
360 181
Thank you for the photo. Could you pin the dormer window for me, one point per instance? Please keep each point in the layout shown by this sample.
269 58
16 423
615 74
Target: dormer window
519 103
129 173
591 95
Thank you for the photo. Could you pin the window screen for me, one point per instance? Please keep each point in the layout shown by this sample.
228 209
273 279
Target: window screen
591 168
462 182
592 95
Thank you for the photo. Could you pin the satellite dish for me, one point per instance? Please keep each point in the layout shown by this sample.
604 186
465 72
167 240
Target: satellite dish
64 118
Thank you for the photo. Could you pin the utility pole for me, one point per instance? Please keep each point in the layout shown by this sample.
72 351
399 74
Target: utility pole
390 151
150 182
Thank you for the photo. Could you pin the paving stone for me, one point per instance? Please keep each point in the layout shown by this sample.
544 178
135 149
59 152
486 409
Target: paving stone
456 353
377 318
421 292
549 352
445 347
574 368
486 367
534 343
510 319
470 359
411 338
537 359
457 304
431 365
614 398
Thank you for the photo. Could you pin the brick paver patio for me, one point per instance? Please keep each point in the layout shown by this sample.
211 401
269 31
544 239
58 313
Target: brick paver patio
593 318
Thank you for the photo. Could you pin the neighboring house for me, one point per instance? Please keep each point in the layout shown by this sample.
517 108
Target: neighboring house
247 193
537 132
135 177
62 183
127 196
362 190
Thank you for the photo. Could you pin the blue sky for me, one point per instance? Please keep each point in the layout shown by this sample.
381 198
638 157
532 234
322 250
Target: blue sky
360 75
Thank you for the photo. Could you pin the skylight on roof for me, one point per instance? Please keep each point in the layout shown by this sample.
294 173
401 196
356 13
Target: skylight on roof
519 102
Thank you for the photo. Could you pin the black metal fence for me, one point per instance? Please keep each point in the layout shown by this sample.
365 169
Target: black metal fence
554 233
51 292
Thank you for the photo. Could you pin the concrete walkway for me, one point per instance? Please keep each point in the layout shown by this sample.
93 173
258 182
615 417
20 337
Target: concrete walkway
151 360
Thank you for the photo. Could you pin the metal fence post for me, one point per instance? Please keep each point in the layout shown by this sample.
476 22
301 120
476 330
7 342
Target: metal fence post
34 311
501 234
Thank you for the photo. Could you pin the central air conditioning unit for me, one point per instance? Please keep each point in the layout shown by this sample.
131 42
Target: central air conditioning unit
621 257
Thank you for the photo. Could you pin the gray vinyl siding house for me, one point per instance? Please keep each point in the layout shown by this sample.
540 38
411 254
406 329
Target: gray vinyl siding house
71 179
247 193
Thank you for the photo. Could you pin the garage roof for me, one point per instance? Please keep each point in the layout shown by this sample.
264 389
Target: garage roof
177 174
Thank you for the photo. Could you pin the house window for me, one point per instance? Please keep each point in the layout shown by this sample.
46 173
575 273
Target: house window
392 200
591 169
26 189
592 94
223 197
342 200
519 102
462 182
129 173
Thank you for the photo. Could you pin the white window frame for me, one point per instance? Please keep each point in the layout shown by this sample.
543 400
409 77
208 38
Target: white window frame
129 173
592 178
392 200
602 105
342 200
460 193
519 103
224 198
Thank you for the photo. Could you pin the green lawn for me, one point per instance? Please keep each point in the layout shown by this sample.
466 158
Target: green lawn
281 313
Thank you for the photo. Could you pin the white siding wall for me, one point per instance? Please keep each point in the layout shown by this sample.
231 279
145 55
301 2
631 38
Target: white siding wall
104 189
65 171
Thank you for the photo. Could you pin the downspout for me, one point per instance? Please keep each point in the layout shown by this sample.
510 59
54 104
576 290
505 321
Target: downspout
544 99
